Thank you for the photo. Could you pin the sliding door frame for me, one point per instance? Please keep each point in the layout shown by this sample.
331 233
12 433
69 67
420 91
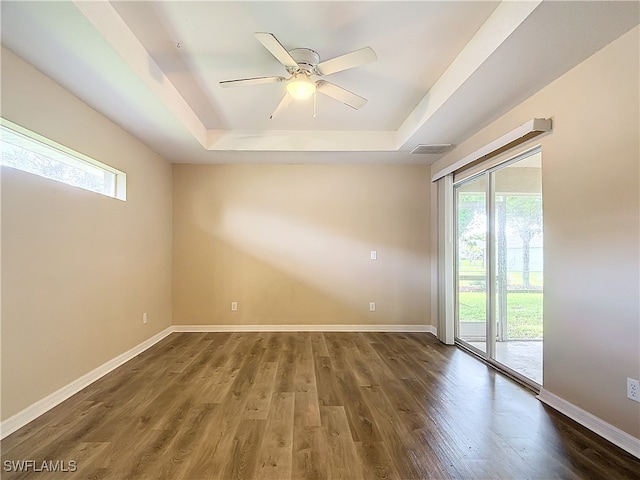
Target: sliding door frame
489 354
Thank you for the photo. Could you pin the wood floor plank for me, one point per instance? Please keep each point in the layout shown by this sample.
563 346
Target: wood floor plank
259 400
289 340
49 426
310 454
343 457
318 345
361 368
274 347
362 343
75 431
147 414
361 423
307 410
285 377
337 351
224 439
276 454
391 429
310 405
304 379
222 377
392 360
235 399
204 461
326 382
184 353
376 462
141 457
244 451
83 455
182 450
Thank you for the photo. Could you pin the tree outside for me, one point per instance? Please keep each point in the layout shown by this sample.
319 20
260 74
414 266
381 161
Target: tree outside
81 175
519 289
524 216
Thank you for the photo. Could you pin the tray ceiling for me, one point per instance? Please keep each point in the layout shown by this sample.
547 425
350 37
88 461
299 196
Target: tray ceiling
444 69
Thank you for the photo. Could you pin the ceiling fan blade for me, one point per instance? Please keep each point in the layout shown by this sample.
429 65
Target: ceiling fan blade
272 44
348 60
282 106
338 93
245 82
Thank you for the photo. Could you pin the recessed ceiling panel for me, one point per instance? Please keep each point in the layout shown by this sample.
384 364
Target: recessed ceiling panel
198 44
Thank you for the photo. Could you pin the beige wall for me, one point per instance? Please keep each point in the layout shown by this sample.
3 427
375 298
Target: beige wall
78 268
591 188
291 244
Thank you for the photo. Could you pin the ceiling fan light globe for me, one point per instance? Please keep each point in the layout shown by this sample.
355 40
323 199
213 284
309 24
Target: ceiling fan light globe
301 88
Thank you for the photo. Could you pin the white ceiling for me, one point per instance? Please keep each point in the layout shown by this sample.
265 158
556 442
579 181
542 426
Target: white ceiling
415 43
444 69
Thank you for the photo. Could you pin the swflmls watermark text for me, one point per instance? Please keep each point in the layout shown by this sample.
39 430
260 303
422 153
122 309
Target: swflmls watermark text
40 466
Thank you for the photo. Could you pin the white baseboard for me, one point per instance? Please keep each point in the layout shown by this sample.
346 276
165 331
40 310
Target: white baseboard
36 409
616 436
305 328
40 407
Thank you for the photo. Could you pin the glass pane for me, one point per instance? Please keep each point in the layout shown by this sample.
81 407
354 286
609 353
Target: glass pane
29 155
471 263
519 279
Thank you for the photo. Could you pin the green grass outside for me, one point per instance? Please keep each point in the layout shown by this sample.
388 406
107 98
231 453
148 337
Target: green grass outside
524 312
513 278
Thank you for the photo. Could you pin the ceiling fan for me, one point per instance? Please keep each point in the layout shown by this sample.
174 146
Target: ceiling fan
304 65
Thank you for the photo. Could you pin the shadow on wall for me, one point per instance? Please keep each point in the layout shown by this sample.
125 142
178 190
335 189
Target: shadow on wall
265 294
311 233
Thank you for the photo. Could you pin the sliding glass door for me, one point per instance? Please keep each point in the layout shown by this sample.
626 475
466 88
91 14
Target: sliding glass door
499 275
471 230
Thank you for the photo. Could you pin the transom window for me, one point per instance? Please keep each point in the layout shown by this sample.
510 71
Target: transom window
25 150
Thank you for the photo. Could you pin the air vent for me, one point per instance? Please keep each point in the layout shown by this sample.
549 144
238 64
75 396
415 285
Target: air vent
432 149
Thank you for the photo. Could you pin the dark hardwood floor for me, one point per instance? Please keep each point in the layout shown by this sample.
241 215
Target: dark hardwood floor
309 406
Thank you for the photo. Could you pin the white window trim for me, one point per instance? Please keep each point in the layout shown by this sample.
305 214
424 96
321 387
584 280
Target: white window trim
72 157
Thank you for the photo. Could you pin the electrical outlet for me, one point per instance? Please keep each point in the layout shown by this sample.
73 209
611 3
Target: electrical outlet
374 255
372 306
633 389
145 319
234 306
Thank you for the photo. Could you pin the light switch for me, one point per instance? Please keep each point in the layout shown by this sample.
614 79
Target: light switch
374 255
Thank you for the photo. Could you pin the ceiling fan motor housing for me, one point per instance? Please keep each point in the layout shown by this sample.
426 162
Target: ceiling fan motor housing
306 59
